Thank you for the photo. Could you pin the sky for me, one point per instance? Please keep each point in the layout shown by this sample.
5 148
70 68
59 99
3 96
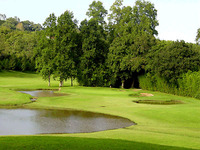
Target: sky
178 19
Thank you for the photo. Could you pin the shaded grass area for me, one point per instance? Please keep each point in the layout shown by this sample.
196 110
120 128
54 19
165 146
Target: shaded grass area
73 143
158 102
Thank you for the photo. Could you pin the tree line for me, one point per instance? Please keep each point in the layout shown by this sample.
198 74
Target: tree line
18 39
98 53
118 52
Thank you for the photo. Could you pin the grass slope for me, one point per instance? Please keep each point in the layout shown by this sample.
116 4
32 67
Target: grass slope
158 126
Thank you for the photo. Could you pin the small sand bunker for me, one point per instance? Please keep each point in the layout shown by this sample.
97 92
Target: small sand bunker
135 90
146 94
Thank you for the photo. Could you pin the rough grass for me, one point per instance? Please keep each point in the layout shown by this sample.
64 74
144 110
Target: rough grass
158 126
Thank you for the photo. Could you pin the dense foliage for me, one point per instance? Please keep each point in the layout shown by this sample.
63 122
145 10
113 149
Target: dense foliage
173 68
17 49
134 36
17 43
94 53
99 53
170 59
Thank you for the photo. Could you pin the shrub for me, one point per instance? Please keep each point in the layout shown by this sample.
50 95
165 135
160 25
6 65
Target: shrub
188 84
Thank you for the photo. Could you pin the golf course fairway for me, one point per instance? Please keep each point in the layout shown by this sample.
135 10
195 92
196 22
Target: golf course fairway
167 126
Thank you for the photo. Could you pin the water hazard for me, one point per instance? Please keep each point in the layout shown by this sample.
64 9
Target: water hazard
43 93
36 121
30 122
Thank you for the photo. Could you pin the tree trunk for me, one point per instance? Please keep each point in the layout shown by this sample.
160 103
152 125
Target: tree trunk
49 84
61 83
72 81
133 83
123 81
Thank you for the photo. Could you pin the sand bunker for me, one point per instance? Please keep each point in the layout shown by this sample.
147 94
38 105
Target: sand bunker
135 90
146 94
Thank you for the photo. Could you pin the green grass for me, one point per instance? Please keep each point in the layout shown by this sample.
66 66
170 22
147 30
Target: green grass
158 126
71 143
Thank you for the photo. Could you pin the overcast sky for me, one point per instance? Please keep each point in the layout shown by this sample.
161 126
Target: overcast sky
178 19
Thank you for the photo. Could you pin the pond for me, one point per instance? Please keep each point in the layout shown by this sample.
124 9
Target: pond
36 121
43 93
30 122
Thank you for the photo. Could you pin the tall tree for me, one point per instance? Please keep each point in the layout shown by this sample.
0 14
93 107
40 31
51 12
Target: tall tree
116 12
97 11
145 16
94 47
46 48
66 47
121 42
114 18
134 32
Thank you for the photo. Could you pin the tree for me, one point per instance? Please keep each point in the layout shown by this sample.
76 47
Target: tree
144 12
134 31
2 17
92 70
46 48
4 34
30 26
114 18
97 11
11 22
95 49
66 47
17 49
116 12
169 60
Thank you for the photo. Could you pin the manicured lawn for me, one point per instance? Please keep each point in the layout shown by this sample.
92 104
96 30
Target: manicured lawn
71 143
158 126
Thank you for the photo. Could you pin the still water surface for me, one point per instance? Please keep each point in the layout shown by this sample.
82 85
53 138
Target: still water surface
30 122
43 93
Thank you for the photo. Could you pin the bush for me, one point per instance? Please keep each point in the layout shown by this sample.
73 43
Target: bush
188 84
156 83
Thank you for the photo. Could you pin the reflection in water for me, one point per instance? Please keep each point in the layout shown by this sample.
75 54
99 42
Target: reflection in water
29 122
